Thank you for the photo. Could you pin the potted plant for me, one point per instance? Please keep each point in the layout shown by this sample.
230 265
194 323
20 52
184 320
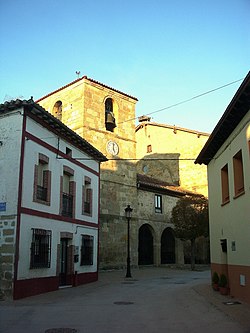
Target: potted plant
215 281
223 284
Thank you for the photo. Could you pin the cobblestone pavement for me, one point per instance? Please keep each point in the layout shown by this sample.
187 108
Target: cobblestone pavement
153 300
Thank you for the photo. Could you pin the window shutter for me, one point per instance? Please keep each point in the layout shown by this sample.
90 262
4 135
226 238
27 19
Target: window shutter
35 182
89 199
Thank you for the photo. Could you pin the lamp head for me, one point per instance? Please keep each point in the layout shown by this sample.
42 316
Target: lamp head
128 211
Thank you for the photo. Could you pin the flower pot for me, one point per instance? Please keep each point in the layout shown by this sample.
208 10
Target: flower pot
215 286
223 290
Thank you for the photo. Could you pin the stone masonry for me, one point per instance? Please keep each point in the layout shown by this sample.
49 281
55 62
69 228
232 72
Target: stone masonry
7 252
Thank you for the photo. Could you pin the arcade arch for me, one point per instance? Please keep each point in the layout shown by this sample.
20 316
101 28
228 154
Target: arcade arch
146 245
168 247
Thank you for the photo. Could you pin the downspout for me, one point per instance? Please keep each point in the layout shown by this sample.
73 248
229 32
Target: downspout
19 202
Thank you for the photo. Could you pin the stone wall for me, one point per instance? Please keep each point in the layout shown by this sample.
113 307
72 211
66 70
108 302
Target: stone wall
83 110
7 252
166 140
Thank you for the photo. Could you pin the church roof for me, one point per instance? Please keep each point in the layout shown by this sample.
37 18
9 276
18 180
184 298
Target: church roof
152 184
173 127
89 79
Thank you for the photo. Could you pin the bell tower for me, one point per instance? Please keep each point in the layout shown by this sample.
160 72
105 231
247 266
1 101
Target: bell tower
102 116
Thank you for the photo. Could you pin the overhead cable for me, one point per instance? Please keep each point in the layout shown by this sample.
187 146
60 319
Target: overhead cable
184 101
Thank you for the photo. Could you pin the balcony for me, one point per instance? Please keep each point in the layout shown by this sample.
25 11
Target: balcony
67 205
87 207
41 193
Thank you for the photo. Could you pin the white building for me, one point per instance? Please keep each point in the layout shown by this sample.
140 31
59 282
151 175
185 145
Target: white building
227 156
49 202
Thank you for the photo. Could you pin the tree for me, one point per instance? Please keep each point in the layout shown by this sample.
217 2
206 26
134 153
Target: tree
190 219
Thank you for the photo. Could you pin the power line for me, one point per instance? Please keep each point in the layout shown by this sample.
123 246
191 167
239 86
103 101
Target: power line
131 159
185 101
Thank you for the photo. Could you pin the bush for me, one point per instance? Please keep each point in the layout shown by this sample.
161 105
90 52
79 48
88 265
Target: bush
223 281
215 278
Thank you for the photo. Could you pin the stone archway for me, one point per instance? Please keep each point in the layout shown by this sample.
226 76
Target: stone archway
146 245
167 247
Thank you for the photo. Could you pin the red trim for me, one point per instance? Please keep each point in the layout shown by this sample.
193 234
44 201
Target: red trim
84 278
99 213
58 152
51 216
31 287
19 200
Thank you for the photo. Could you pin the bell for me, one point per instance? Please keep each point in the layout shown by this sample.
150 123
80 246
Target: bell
110 121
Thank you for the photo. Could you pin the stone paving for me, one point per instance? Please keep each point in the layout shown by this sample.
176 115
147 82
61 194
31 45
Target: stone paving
153 300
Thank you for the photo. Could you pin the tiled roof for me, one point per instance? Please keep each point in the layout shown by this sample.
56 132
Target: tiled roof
36 110
174 128
146 182
89 79
234 113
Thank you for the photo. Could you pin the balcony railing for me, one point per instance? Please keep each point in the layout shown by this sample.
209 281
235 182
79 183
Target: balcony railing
67 205
41 193
87 207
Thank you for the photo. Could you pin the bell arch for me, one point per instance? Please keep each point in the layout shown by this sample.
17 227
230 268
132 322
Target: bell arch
168 246
110 111
57 110
145 245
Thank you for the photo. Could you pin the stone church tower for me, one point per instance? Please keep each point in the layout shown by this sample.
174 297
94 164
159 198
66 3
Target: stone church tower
105 117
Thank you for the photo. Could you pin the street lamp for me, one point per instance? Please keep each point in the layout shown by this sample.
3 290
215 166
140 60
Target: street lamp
128 214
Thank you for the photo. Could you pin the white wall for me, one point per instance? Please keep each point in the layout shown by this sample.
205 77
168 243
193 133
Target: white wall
28 222
10 135
32 149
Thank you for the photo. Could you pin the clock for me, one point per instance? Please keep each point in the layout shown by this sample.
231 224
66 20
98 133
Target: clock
112 148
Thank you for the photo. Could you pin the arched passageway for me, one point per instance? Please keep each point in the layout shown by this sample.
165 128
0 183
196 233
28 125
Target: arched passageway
146 246
167 247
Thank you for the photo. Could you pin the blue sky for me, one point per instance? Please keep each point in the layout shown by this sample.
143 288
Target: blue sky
162 51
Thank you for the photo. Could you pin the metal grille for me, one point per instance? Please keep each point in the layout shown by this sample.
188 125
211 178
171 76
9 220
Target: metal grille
87 207
67 205
87 250
41 193
40 251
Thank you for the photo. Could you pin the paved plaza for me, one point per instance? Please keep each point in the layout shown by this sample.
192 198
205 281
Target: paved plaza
154 300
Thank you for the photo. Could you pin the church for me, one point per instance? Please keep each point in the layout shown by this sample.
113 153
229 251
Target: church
149 168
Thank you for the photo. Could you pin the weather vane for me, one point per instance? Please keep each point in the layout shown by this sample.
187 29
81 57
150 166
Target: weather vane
78 74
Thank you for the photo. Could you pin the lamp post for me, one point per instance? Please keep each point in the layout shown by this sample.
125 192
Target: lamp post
128 214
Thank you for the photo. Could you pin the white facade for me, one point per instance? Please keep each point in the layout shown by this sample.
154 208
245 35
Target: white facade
228 220
50 237
227 155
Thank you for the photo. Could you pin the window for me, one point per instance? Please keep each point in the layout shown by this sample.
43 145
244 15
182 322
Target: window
68 189
238 174
158 203
87 194
42 180
109 115
87 250
149 149
68 152
57 110
223 243
224 184
40 251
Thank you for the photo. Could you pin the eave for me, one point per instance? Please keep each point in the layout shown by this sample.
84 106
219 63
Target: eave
234 113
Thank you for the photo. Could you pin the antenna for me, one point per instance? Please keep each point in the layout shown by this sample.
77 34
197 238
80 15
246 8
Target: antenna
78 74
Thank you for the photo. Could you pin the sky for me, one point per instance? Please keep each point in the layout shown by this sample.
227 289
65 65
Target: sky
162 52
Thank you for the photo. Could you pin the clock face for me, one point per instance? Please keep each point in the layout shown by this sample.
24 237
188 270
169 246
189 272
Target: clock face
112 148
